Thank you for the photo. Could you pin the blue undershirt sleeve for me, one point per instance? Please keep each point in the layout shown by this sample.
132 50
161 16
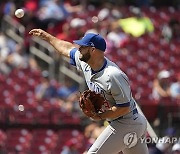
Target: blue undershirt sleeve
72 57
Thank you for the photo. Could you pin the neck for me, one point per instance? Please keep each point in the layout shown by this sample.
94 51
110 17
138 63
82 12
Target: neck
97 63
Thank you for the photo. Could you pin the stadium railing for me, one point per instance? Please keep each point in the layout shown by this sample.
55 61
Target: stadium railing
43 51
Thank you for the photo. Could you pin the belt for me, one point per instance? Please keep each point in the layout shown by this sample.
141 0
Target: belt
135 111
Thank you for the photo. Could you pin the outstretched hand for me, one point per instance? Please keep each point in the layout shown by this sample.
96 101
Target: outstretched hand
39 33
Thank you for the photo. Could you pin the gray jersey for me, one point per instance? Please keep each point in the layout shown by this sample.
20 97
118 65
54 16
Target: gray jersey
110 80
123 133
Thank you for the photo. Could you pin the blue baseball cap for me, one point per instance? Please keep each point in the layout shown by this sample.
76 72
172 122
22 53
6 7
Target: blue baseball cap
93 40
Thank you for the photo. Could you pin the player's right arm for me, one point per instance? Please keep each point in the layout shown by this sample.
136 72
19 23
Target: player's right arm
62 47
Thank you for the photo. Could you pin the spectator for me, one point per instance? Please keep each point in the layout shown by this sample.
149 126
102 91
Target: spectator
171 30
45 90
50 12
118 37
136 25
166 33
65 34
18 58
11 56
67 89
170 131
175 88
161 85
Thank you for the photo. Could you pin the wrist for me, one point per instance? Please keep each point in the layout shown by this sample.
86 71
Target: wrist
96 116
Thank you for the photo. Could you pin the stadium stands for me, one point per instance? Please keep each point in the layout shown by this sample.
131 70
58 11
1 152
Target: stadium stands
141 58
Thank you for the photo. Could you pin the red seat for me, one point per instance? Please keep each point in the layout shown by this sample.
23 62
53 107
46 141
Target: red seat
43 118
3 138
18 141
149 108
45 140
22 117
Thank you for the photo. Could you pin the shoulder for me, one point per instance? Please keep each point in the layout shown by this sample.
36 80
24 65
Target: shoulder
112 70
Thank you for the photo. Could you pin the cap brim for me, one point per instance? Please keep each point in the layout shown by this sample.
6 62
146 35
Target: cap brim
80 42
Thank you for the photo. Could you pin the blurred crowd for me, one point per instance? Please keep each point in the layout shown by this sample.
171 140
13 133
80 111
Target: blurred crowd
69 20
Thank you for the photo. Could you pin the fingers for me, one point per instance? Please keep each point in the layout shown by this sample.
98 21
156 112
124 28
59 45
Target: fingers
36 32
39 33
33 31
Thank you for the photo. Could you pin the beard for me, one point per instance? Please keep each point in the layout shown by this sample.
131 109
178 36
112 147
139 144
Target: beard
85 57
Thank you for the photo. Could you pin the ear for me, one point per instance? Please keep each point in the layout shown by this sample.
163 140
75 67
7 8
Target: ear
93 49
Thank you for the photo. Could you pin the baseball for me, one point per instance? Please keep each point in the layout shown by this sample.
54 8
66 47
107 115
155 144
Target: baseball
21 107
19 13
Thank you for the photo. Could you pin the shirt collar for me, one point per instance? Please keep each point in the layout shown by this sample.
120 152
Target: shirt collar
105 63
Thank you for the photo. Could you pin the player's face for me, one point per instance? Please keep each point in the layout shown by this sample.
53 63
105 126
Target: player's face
85 53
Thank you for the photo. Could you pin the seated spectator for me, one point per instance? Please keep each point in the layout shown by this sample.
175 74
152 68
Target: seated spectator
45 90
67 89
50 12
161 85
118 37
7 48
175 88
171 30
91 132
53 12
18 58
136 25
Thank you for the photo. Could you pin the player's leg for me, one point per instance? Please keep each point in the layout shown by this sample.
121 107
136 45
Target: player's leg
105 143
119 135
139 148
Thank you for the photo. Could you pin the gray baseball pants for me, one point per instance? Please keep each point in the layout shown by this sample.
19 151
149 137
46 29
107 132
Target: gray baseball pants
122 135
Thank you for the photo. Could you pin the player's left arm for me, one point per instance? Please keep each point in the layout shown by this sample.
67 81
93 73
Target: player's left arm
113 113
121 92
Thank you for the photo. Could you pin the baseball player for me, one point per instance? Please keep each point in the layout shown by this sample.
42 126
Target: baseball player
126 126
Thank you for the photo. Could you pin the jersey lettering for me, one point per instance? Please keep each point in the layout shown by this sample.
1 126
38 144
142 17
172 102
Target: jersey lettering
94 87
